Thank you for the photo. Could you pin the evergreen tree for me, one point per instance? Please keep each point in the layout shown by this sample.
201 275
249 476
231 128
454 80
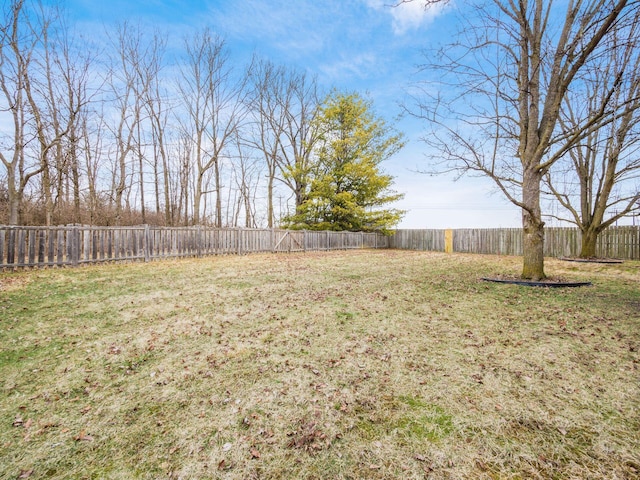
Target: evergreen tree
347 189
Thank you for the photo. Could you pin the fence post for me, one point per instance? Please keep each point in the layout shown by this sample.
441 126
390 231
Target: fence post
41 247
2 235
146 243
448 241
199 241
75 245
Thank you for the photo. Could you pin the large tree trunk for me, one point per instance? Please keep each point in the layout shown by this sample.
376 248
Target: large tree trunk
14 211
248 216
14 196
119 186
588 244
197 199
75 178
46 192
270 212
300 191
533 226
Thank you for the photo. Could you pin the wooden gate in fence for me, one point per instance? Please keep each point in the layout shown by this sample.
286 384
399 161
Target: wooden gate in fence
289 241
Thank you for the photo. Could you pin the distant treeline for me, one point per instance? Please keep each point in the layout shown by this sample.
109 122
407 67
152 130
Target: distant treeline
141 128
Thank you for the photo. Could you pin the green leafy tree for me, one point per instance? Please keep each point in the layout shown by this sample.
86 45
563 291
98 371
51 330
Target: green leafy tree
347 190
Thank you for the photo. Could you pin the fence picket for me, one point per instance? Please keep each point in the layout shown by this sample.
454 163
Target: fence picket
41 247
21 247
32 247
59 247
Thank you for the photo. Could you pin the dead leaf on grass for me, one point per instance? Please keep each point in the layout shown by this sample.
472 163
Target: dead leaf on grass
308 437
83 437
25 473
255 453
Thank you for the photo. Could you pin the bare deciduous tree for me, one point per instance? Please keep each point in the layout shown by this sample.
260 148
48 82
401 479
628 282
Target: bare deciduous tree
246 175
75 69
157 107
301 134
127 103
147 65
16 49
284 102
494 108
93 136
214 105
23 44
268 101
64 93
595 183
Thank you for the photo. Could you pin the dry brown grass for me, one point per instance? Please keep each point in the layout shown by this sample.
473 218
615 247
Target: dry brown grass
349 365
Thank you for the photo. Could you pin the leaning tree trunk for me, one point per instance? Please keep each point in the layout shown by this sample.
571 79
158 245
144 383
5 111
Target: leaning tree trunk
533 226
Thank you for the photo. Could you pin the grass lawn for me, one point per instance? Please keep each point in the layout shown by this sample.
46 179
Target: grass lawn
343 365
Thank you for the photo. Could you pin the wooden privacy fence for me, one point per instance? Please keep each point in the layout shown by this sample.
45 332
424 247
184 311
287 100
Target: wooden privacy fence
614 242
74 245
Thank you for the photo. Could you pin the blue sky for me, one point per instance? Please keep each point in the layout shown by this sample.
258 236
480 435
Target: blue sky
354 45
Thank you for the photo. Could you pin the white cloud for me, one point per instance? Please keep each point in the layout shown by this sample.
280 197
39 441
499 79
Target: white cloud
346 68
409 15
298 30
